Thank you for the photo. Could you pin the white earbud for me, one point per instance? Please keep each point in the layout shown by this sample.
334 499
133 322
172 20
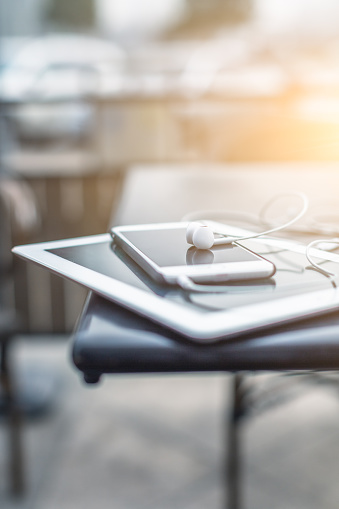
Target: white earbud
202 236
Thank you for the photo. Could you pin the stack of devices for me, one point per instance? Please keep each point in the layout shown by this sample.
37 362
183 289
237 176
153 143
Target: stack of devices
258 283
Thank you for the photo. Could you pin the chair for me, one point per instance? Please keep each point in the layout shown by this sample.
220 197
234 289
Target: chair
14 197
8 328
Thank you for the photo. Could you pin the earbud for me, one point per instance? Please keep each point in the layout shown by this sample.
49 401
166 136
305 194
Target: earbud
199 235
202 236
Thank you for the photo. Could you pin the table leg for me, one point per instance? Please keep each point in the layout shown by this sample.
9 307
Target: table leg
233 467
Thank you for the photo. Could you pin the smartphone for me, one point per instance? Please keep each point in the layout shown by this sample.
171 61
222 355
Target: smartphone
162 251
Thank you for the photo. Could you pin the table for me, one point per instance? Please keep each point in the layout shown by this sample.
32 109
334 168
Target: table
110 339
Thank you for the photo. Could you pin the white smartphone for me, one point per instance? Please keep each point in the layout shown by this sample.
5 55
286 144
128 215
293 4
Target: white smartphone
162 251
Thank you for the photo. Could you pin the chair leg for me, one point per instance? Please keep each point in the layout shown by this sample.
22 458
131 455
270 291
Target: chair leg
233 467
14 417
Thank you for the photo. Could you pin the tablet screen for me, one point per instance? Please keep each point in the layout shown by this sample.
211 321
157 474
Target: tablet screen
293 275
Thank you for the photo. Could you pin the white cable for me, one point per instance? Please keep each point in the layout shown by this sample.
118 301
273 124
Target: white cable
234 238
317 242
289 223
187 284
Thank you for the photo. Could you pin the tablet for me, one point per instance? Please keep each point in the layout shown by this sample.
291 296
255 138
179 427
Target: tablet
296 291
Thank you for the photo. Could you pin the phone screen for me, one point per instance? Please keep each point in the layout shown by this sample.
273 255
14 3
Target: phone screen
168 248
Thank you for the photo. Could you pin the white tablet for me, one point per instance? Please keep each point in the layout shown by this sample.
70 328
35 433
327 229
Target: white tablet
295 291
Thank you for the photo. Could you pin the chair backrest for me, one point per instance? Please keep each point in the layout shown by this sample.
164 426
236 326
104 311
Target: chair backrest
5 253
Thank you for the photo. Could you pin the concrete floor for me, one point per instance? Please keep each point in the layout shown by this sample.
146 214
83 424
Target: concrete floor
157 442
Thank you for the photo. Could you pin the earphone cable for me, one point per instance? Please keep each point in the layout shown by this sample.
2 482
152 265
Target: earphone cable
204 215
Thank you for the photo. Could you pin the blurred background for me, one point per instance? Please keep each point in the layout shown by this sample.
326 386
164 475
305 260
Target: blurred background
89 88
